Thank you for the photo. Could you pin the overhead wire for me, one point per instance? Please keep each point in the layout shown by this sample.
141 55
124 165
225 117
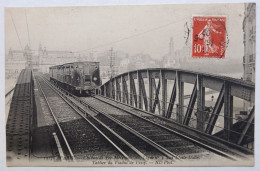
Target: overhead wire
27 29
122 39
16 31
144 32
129 37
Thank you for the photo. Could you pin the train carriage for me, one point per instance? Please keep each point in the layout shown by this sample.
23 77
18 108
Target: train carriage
80 78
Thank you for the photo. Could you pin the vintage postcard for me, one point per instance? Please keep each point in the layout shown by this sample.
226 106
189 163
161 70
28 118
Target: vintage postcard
130 85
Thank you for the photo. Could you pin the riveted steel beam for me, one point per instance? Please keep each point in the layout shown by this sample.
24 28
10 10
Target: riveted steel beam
156 99
216 110
105 90
125 90
118 90
242 92
133 95
228 110
172 100
180 88
164 93
131 91
169 75
113 93
188 77
191 105
212 83
108 89
142 89
201 115
151 95
102 90
140 99
248 124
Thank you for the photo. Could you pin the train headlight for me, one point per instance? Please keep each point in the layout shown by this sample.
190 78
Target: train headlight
95 78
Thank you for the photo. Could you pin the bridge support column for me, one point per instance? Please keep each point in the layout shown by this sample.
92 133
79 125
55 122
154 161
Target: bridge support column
164 93
118 90
200 104
131 89
143 95
112 94
140 100
156 100
180 88
151 95
228 110
105 90
133 96
125 90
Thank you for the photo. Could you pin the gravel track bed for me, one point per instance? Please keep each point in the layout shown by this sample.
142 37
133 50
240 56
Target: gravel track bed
182 147
138 143
84 140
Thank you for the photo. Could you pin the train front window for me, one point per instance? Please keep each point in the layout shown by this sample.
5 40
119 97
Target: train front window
87 78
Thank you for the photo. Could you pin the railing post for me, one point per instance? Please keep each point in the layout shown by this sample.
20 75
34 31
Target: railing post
110 89
105 90
140 102
113 89
150 91
131 89
228 110
143 91
123 90
118 90
164 92
200 104
180 88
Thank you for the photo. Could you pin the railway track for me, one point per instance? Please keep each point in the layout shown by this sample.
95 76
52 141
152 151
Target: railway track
134 144
125 141
171 144
179 144
82 139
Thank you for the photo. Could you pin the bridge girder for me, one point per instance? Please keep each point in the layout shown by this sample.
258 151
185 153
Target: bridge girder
154 82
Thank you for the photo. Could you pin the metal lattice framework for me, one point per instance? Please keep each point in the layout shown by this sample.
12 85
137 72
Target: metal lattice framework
147 89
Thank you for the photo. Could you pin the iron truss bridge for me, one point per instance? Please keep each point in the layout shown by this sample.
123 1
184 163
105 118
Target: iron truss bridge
181 96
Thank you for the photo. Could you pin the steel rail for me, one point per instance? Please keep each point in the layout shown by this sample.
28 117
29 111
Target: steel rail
144 138
55 119
219 152
78 109
165 119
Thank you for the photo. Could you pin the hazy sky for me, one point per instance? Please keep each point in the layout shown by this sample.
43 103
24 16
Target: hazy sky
136 29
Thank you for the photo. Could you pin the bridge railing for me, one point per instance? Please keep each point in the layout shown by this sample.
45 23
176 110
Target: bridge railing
180 95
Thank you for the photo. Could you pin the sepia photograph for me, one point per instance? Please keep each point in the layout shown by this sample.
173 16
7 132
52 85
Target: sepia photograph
156 85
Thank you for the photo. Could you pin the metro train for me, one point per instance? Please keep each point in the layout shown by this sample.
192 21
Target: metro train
79 78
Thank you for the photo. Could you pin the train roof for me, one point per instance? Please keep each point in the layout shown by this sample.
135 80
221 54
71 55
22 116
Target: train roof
83 62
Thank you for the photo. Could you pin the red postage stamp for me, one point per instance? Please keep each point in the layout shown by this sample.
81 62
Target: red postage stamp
209 37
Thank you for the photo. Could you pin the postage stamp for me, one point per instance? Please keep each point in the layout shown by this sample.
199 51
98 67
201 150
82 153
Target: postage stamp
209 37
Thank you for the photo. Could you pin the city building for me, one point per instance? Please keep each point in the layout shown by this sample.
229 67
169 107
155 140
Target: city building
38 60
169 60
249 28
